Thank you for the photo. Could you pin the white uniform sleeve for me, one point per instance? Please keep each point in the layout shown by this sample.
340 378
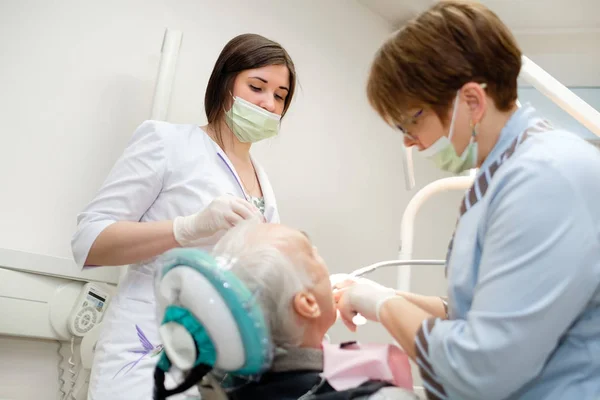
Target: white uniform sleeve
129 190
536 276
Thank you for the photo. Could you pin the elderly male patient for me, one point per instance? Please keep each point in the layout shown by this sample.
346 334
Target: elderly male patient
292 282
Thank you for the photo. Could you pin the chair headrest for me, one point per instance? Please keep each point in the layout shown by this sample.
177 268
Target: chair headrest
209 317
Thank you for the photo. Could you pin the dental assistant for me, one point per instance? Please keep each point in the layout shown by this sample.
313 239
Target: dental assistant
180 186
523 268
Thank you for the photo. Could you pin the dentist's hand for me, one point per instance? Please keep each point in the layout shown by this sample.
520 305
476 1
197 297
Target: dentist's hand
361 296
339 281
220 215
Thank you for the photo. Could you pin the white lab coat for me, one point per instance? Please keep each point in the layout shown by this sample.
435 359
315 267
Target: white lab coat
166 171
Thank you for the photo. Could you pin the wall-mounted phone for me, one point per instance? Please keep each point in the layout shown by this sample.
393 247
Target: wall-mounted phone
76 310
88 310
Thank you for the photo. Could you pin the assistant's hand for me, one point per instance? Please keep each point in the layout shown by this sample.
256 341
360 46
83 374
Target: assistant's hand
221 214
361 296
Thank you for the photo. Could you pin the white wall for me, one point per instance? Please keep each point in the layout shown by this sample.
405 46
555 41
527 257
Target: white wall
557 115
29 369
77 78
571 56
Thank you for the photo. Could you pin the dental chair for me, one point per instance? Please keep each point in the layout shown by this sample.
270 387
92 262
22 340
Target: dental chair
214 332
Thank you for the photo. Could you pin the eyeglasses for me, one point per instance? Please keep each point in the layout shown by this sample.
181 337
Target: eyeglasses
408 123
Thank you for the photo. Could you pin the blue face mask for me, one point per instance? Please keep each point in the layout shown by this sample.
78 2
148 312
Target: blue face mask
443 154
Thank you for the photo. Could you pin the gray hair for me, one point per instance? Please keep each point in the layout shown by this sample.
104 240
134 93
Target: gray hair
274 277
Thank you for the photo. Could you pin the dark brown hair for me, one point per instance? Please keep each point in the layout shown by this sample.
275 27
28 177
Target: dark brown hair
434 55
247 51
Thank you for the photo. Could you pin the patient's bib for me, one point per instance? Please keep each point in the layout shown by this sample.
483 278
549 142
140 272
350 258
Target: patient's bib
349 365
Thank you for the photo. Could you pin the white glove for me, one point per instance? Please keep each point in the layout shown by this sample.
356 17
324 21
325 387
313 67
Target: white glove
364 297
220 215
339 281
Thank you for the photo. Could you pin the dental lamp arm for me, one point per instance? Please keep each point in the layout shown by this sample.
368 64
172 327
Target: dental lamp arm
561 95
407 227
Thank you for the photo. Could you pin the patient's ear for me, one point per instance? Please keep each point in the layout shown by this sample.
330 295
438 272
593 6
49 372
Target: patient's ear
306 305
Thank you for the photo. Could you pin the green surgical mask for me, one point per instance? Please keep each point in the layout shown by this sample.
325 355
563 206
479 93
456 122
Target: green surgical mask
443 154
251 123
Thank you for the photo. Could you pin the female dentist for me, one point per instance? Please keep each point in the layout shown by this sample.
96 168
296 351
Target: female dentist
180 185
523 317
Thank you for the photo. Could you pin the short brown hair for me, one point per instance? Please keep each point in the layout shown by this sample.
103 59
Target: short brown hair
247 51
434 55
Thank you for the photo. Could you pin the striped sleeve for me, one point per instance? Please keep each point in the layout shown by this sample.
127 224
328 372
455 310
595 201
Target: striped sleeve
433 387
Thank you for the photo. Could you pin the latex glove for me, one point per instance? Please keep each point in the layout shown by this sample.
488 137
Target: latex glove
220 215
341 281
338 280
364 297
